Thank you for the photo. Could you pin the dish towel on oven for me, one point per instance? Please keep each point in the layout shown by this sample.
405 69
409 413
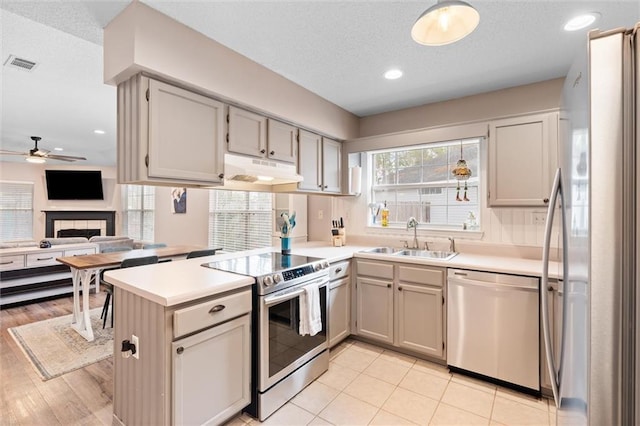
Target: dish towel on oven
310 315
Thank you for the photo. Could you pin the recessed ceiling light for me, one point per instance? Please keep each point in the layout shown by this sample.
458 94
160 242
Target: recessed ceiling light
393 74
58 149
581 21
98 132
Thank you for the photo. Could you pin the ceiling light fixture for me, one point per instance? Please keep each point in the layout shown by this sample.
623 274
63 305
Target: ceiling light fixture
98 132
58 149
581 21
37 160
445 22
393 74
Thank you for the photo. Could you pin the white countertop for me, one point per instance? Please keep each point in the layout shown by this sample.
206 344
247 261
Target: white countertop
176 282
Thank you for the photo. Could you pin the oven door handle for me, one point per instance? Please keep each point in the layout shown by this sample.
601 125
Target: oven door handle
272 300
268 301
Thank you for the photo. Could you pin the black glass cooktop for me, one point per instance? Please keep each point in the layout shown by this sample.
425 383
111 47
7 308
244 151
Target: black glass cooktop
261 264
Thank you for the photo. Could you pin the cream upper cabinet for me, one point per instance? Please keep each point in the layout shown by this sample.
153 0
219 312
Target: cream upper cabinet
168 135
319 163
282 141
309 159
247 133
331 161
522 159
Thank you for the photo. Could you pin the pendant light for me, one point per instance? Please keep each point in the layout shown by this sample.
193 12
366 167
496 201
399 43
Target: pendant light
462 173
445 22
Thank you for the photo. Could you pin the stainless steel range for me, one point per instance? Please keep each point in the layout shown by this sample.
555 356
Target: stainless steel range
283 361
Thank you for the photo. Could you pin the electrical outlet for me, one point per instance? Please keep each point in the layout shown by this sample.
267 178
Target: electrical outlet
320 214
539 218
134 341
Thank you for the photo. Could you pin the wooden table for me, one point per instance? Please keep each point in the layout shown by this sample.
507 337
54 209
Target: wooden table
85 267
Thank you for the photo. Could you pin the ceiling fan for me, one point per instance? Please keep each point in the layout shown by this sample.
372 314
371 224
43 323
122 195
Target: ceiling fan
37 155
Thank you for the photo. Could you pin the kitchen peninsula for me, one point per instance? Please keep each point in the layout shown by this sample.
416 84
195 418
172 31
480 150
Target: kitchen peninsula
166 305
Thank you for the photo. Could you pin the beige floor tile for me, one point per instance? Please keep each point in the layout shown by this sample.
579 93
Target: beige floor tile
338 377
424 384
474 383
398 358
367 347
338 349
389 371
347 410
236 421
369 389
469 399
532 401
384 418
315 397
432 368
511 412
448 415
355 359
289 415
411 406
318 421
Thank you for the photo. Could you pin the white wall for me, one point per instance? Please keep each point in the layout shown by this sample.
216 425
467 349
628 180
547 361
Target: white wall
27 172
191 228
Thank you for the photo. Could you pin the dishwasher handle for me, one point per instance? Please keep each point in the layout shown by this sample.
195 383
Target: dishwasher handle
494 286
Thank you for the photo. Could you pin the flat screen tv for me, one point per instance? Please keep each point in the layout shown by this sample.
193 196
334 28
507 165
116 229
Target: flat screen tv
74 185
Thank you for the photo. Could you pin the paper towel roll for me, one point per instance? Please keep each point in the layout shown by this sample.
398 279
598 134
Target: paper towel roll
356 183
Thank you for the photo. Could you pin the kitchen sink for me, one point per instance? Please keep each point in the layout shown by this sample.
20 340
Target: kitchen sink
381 250
443 255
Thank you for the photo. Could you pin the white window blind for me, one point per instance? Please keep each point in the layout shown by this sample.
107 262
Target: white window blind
16 211
418 182
139 206
239 220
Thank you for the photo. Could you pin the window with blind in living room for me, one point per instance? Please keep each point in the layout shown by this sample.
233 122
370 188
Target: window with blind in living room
239 220
139 210
16 210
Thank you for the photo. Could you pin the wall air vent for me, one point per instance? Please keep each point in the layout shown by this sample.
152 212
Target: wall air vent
20 63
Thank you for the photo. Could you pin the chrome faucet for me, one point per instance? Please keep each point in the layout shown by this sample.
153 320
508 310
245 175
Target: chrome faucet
413 223
452 245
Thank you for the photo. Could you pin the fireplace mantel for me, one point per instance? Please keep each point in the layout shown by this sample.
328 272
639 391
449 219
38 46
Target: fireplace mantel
52 215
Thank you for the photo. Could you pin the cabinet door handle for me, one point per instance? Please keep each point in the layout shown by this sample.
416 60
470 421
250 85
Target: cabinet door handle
388 285
326 186
272 153
216 308
262 151
319 186
179 350
7 263
338 270
545 200
44 258
399 288
221 175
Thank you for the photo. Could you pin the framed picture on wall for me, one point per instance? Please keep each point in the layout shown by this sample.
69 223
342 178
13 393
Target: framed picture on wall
178 200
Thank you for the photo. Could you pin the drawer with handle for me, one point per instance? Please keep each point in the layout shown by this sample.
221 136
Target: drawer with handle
80 252
339 270
207 314
8 263
46 258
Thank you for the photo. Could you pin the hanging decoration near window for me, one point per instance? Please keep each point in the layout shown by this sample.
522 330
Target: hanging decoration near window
462 173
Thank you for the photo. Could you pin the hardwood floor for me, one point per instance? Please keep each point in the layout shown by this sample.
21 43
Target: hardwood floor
82 397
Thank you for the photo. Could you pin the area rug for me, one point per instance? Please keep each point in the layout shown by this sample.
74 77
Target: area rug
54 348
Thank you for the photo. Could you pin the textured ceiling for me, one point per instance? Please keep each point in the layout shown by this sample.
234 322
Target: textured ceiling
337 49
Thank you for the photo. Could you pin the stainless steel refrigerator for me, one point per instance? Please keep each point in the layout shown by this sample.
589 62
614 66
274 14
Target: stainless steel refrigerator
596 368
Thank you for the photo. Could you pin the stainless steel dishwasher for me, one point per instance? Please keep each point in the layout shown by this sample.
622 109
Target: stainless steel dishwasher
493 326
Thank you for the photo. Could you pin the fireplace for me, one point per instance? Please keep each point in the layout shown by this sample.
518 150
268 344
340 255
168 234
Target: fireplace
98 222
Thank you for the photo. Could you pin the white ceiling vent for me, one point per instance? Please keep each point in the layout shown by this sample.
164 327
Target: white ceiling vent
20 63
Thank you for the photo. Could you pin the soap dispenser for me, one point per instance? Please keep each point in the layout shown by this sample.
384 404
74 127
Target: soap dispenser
385 215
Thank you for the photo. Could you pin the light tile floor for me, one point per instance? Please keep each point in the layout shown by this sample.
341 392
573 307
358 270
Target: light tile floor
368 385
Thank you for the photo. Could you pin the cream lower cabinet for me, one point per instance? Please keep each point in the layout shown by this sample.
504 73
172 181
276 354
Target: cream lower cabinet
194 359
339 302
402 305
207 372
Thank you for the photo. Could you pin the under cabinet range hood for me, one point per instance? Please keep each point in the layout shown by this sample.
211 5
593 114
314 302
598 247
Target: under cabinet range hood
241 171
